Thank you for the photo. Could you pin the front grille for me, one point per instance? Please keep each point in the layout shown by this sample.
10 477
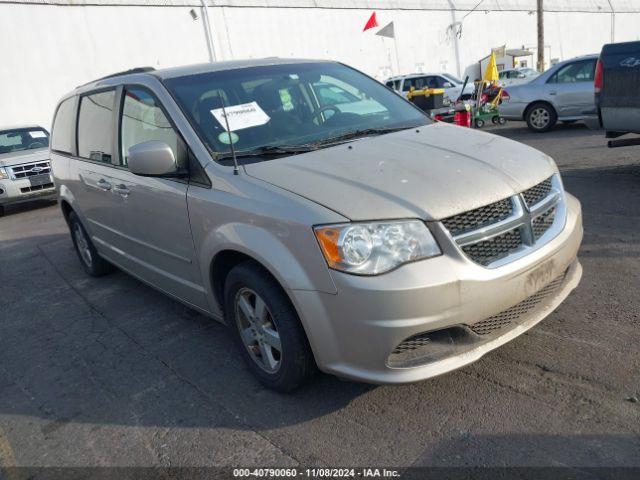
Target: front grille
543 222
537 192
511 315
491 233
35 188
25 170
495 248
478 218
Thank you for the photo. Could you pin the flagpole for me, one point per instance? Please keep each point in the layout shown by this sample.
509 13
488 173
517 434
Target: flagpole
395 44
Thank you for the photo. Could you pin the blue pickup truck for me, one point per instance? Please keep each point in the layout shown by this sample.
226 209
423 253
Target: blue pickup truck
617 93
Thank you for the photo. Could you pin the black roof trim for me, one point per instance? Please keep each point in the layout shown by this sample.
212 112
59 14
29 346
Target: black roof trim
119 74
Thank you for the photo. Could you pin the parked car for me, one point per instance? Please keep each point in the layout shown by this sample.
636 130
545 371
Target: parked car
514 76
617 92
380 246
24 165
563 92
452 85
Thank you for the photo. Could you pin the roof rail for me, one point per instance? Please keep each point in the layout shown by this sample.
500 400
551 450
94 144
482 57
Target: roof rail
118 74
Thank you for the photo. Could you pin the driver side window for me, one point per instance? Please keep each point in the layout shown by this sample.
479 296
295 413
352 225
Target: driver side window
143 120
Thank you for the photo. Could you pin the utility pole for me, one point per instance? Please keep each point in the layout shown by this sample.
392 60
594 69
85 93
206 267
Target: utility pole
540 37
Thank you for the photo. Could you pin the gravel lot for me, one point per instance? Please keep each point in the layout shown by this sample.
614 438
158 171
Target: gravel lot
97 372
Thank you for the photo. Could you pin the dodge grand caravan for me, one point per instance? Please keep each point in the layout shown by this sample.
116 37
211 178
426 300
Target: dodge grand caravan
369 242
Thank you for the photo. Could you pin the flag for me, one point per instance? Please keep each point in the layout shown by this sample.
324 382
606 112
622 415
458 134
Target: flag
372 22
387 31
491 73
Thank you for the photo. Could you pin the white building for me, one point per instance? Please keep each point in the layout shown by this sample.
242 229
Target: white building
51 46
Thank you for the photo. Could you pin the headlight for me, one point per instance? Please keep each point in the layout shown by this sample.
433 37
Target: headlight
3 174
374 248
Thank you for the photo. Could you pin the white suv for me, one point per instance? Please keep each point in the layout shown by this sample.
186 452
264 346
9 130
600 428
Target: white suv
25 172
452 85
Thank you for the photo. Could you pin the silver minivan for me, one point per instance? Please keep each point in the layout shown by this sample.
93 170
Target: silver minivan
370 242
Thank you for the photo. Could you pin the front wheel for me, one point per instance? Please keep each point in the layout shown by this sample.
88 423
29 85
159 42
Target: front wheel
541 117
266 328
479 123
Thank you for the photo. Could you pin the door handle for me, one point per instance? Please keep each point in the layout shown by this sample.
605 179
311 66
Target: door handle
122 190
103 185
552 93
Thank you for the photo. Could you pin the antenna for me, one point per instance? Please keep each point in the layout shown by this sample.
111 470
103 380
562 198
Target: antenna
236 170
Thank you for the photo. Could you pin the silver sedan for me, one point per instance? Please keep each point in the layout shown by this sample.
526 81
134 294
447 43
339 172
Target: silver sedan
562 93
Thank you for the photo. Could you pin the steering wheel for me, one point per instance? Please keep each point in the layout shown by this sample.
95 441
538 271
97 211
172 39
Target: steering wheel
36 145
321 110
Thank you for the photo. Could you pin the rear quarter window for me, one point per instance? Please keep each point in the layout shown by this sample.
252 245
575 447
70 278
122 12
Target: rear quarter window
62 133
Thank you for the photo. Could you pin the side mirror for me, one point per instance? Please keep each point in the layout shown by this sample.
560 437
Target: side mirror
447 85
153 159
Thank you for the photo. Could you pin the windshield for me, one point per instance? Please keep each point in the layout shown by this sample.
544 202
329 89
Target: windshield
289 105
23 139
528 72
455 80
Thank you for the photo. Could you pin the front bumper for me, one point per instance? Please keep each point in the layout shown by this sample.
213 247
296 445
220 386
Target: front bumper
354 333
21 190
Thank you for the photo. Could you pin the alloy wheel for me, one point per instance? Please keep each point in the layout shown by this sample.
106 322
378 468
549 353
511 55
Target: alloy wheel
540 117
258 330
82 244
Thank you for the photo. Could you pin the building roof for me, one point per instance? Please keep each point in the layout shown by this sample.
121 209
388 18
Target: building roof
591 6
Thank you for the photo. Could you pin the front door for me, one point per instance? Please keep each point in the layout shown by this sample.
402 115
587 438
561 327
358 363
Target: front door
154 211
570 89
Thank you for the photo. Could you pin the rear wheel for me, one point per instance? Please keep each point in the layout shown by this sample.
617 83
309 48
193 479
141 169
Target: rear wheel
266 328
91 261
541 117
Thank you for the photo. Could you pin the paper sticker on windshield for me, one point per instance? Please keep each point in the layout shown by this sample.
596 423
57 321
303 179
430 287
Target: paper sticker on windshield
242 116
37 134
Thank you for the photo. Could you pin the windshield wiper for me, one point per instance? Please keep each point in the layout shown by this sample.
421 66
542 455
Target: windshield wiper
268 150
366 132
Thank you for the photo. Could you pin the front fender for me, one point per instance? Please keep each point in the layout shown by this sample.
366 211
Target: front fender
293 258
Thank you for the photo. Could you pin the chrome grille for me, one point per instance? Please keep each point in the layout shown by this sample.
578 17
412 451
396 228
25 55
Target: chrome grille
479 217
506 230
543 222
538 192
29 169
495 248
513 314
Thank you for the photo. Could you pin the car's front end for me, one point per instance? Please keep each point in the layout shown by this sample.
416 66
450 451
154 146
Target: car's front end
452 250
25 169
503 268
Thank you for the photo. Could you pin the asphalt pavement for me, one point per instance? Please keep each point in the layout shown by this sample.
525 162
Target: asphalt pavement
109 372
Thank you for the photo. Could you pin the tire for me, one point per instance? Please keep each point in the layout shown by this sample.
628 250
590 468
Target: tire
91 261
2 211
502 121
495 120
282 370
541 117
479 123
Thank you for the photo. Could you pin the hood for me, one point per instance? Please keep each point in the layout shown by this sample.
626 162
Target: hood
24 156
440 171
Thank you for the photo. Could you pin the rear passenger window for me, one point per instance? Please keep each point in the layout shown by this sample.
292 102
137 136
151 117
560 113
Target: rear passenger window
63 126
143 120
95 126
